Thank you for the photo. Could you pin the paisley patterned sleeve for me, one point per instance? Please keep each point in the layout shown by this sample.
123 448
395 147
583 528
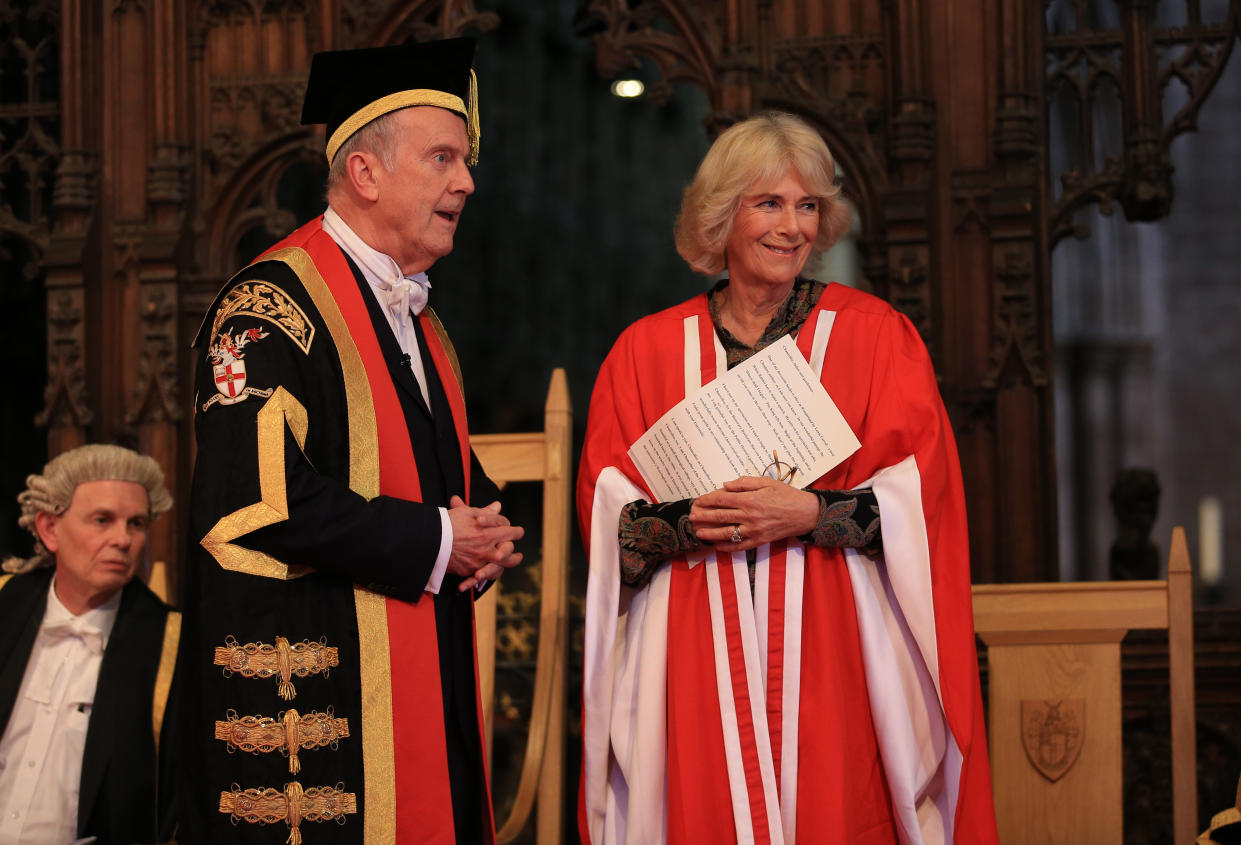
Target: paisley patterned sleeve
651 532
847 519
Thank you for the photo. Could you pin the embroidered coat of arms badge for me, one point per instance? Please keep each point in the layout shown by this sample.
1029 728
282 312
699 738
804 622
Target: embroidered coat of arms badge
229 367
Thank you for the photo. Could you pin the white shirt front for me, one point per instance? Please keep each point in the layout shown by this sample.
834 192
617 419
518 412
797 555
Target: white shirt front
41 750
387 283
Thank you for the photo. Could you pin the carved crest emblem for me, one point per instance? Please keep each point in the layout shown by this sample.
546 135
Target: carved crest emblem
229 368
1052 732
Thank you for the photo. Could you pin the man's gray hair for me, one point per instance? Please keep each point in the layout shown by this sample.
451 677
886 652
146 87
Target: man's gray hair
52 491
380 137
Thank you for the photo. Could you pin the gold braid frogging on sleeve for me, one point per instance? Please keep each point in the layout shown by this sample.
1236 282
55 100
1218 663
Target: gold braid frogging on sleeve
277 412
288 733
260 660
293 806
266 301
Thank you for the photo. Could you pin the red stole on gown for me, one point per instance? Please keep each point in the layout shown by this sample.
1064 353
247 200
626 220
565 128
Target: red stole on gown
407 791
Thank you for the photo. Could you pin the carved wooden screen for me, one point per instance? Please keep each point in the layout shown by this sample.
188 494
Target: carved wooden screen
938 113
177 122
1123 81
29 155
148 147
936 121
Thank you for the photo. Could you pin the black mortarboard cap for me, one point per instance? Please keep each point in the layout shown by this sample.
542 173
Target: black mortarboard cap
348 89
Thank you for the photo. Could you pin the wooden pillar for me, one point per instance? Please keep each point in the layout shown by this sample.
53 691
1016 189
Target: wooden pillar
68 411
153 409
994 338
111 265
1146 184
902 275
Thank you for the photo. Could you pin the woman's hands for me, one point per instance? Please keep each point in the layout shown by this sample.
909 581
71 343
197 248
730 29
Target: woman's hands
760 509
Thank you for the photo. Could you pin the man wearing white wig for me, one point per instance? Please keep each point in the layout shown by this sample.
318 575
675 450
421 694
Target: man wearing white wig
86 658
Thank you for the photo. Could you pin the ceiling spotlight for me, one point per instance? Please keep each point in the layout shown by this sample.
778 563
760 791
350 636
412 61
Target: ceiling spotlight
628 88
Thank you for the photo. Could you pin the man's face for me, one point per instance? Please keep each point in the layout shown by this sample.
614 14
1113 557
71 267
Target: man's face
421 199
97 542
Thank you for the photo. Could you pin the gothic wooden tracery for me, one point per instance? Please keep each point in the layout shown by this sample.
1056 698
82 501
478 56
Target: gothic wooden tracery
147 149
862 73
946 161
1120 68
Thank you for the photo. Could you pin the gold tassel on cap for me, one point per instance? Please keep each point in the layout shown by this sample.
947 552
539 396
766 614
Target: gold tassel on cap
471 120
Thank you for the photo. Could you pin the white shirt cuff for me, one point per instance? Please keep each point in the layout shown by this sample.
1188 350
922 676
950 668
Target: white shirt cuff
441 560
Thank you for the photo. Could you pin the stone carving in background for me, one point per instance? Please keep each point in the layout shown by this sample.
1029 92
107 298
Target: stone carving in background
1135 500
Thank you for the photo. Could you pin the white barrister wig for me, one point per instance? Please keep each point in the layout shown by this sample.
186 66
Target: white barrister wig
52 492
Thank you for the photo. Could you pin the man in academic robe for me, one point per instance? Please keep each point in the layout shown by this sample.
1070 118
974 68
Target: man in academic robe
334 559
86 659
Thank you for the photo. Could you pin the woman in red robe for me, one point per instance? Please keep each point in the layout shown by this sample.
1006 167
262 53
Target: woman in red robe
765 663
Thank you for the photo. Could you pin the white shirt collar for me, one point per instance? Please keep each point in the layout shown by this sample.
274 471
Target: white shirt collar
102 617
380 270
401 298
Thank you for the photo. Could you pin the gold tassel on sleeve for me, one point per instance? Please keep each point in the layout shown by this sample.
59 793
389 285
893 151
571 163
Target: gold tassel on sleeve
293 793
289 733
292 722
283 660
293 806
260 660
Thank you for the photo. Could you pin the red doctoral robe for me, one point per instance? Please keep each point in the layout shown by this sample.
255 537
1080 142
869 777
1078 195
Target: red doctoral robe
838 702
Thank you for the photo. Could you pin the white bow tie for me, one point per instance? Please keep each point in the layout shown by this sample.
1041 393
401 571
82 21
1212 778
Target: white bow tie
405 295
77 628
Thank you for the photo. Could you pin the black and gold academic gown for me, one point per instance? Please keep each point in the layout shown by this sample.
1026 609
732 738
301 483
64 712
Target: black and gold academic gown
332 697
124 795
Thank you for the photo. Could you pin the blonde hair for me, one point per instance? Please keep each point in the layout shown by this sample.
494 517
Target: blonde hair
758 150
52 492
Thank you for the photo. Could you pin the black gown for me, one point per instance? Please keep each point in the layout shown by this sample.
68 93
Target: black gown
125 792
278 541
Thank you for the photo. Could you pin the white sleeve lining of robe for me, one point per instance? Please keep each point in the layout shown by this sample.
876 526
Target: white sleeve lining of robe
896 621
624 684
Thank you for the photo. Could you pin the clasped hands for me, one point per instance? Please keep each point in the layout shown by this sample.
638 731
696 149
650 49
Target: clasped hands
482 543
757 510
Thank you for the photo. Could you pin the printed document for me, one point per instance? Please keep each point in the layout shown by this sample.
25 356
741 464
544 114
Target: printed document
767 415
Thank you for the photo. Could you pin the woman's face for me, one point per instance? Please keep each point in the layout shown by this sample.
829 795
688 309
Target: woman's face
773 232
